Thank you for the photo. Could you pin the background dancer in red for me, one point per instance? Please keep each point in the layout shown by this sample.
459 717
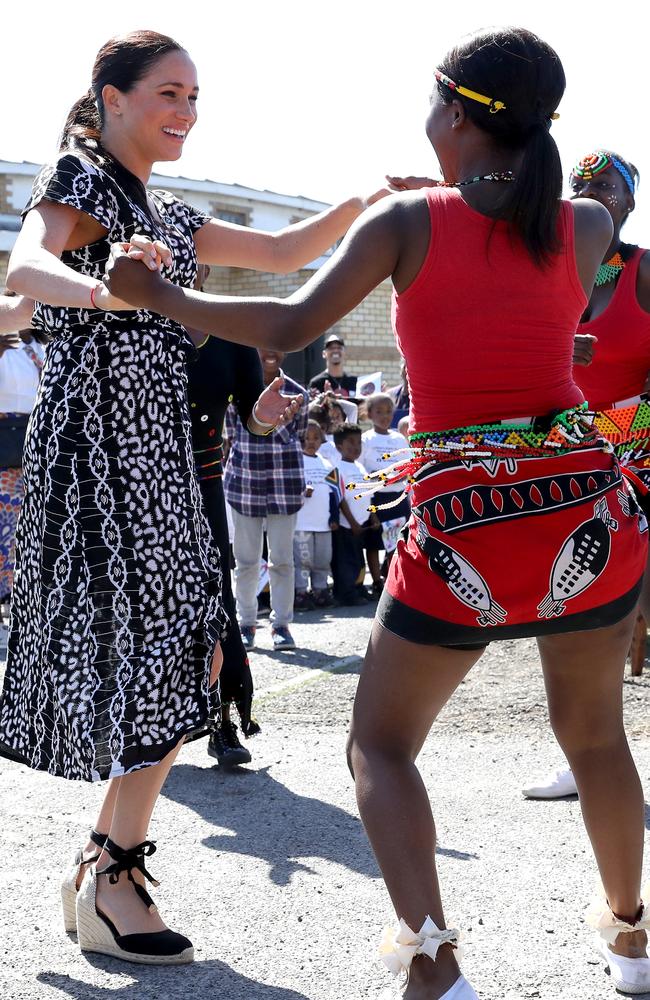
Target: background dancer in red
522 524
613 340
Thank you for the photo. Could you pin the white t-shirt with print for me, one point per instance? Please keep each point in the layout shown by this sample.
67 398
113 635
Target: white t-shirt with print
353 472
314 515
374 446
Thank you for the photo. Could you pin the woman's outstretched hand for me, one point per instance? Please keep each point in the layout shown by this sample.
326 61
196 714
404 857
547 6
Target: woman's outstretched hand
275 407
410 183
126 279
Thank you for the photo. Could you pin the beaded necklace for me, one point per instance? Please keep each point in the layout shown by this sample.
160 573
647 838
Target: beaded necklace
610 270
495 175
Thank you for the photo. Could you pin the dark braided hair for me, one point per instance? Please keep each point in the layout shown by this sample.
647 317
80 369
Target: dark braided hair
516 67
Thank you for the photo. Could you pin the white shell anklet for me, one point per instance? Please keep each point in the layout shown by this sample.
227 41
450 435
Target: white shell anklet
399 946
628 975
599 916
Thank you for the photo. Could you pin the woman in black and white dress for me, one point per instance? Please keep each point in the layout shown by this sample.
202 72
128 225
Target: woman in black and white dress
114 637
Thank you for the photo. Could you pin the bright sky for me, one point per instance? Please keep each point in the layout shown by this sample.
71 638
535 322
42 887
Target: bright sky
322 98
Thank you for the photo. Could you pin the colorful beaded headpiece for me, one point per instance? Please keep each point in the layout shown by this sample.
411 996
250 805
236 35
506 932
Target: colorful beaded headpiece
593 164
492 104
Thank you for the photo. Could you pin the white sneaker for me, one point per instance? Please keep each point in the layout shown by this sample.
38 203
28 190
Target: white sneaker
555 785
629 975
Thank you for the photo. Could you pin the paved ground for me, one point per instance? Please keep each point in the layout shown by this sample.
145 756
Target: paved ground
269 872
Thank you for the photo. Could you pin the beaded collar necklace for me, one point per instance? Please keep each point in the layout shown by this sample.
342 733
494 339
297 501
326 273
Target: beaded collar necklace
610 270
495 175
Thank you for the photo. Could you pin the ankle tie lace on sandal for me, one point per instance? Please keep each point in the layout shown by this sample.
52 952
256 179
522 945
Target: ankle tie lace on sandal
398 947
126 861
601 917
97 838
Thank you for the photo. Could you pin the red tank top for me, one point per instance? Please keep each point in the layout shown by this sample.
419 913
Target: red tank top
622 355
485 332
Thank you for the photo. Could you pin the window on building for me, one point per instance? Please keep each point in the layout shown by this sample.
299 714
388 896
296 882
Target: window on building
238 216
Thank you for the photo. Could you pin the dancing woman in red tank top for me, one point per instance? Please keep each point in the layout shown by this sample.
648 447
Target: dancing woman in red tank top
521 524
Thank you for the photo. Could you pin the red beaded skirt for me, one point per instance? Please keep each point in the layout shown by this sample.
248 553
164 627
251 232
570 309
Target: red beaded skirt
507 548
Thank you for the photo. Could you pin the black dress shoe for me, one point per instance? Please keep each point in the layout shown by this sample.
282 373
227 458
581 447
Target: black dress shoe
225 746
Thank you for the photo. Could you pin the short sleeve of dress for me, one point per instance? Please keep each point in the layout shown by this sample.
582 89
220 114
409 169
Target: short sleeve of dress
73 180
190 217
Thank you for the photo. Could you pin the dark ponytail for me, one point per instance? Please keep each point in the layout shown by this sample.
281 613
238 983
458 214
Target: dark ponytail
122 61
514 66
82 124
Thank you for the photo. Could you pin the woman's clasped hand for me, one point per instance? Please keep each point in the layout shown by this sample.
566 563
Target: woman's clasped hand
131 283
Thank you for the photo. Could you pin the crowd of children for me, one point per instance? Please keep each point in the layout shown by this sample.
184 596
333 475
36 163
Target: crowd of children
335 532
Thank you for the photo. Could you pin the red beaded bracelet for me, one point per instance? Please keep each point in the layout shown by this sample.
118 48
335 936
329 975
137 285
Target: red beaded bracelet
92 295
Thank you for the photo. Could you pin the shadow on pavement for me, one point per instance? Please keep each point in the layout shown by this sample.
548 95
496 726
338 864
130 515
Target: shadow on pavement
156 983
269 821
647 815
303 656
274 824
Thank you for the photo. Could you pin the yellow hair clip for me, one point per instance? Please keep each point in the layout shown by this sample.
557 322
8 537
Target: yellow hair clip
493 105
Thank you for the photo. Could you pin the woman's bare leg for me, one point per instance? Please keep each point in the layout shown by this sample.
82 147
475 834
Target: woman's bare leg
136 797
133 798
583 673
402 689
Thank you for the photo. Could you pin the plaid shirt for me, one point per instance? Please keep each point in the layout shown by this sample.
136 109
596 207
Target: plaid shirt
265 475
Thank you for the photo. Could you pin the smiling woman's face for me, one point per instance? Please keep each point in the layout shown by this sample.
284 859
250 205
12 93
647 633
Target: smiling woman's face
159 111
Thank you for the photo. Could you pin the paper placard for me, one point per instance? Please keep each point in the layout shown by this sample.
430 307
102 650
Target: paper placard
369 384
390 533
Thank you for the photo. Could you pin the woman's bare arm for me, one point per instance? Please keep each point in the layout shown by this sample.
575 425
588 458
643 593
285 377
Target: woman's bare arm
35 269
280 252
368 255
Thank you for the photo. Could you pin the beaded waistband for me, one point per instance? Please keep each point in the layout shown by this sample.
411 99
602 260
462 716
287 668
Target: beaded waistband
536 437
541 437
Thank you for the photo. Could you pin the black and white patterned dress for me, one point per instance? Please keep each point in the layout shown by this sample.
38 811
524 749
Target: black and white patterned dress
117 593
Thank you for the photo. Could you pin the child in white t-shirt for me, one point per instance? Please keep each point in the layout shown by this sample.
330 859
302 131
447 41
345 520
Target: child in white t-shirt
347 560
376 444
316 519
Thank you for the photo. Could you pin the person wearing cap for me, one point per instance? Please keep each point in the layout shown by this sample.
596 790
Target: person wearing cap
334 355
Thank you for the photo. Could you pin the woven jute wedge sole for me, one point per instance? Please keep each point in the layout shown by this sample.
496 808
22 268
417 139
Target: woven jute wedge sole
69 904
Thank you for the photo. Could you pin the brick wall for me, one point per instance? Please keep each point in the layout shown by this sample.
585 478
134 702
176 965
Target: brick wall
367 332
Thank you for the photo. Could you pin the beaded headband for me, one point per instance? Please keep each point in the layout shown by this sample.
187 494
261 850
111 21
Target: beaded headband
593 164
492 104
